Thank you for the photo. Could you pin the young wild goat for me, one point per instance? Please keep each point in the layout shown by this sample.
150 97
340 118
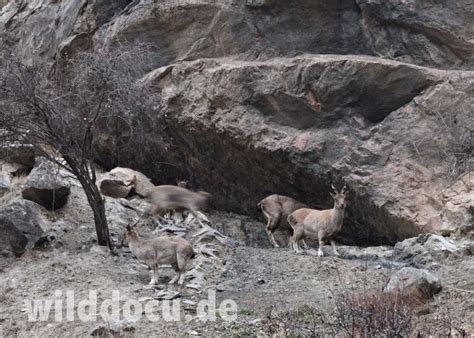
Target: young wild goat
276 209
161 250
165 197
318 224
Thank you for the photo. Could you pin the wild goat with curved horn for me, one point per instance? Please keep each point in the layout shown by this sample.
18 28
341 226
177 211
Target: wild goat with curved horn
319 224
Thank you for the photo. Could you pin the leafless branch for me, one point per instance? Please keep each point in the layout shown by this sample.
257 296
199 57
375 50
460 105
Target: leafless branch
62 113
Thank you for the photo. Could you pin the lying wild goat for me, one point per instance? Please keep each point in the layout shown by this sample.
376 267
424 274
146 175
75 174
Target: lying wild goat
318 224
165 197
276 209
161 250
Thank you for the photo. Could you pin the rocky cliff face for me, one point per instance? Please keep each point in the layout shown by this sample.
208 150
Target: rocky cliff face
265 96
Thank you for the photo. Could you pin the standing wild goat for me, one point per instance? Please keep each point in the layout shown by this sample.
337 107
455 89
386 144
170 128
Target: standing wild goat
165 197
161 250
318 224
276 209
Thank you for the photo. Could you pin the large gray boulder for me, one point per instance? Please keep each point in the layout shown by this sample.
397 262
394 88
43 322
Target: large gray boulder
46 186
115 188
120 182
11 175
120 213
427 249
21 225
418 281
18 153
376 117
5 182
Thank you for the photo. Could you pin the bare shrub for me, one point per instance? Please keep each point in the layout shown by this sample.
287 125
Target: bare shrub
63 113
363 313
305 321
378 314
451 318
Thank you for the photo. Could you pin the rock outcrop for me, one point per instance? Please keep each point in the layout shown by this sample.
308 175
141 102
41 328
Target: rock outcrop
120 182
21 225
419 282
383 128
422 32
5 182
429 249
22 154
115 188
46 186
15 159
275 96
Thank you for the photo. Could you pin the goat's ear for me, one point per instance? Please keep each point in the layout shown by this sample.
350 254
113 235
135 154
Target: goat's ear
333 195
333 188
343 190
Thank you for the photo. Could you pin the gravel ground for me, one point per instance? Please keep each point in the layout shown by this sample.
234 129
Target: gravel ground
257 277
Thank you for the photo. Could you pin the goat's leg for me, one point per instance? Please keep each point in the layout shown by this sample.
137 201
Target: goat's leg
302 241
152 281
176 278
178 216
271 226
156 215
295 246
154 275
181 278
320 250
321 244
178 270
333 244
305 246
297 235
272 238
181 262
